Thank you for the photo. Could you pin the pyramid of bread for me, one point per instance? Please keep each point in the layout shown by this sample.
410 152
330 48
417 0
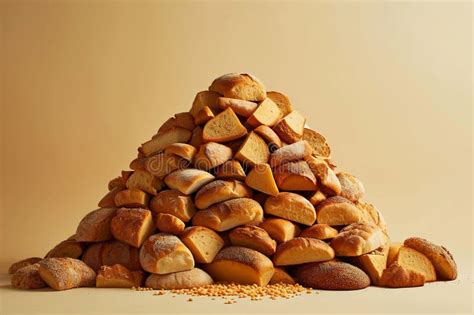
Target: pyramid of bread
236 190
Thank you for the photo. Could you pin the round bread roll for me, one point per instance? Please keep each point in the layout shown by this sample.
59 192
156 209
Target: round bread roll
221 190
240 86
332 275
179 280
229 214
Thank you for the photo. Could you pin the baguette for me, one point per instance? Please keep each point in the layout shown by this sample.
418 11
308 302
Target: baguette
240 86
182 120
357 239
302 250
183 150
168 223
132 226
319 145
117 276
63 273
261 178
289 153
27 278
95 226
175 203
23 263
202 99
221 190
253 151
110 253
188 181
224 127
240 107
292 207
179 280
230 170
164 139
211 155
132 198
280 230
267 113
253 237
144 181
295 176
203 243
290 128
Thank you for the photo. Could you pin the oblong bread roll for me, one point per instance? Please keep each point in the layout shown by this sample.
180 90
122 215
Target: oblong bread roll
221 190
188 180
179 280
302 250
292 207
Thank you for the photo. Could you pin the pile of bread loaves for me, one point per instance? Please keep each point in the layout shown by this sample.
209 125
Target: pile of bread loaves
239 190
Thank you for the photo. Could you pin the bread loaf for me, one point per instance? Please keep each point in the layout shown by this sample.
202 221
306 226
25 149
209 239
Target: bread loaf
320 232
131 198
144 181
282 101
212 154
203 116
240 107
317 142
224 127
373 263
230 170
95 226
289 153
351 187
357 239
168 223
267 113
164 253
117 276
189 180
281 276
182 120
175 203
164 139
261 178
337 210
327 179
132 226
179 280
253 151
183 150
295 176
162 164
108 201
397 276
228 214
220 190
111 253
27 278
203 243
302 250
67 248
23 263
241 265
64 273
411 259
253 237
291 206
290 128
240 86
280 230
202 99
269 136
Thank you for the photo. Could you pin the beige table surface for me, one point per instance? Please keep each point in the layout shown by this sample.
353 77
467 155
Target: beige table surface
439 297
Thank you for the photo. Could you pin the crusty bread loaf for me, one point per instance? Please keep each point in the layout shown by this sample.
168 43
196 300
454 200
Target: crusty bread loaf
189 180
111 253
280 230
23 263
320 232
253 237
203 116
281 276
183 150
253 151
261 178
332 275
337 211
164 139
291 206
182 120
269 136
175 203
204 98
27 278
411 259
132 198
371 214
196 137
317 198
373 263
211 155
282 101
351 187
118 276
162 164
357 239
240 86
301 250
67 248
62 273
441 258
327 179
230 170
164 253
226 126
95 226
267 113
241 265
179 280
168 223
117 182
397 276
221 190
132 226
138 163
317 142
144 181
295 176
292 152
290 128
229 214
240 107
203 243
108 201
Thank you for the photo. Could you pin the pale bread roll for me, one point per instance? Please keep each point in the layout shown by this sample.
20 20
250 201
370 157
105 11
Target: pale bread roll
228 214
295 176
280 230
221 190
211 155
188 181
291 206
357 239
95 226
183 150
240 86
337 210
292 152
165 253
301 250
179 280
351 187
175 203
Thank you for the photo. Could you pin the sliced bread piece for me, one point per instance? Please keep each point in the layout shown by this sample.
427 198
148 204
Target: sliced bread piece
183 120
253 151
164 139
267 113
290 128
230 170
240 107
282 101
261 178
202 99
224 127
317 142
292 152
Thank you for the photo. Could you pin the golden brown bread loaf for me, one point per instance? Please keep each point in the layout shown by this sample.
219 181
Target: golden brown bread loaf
183 120
337 210
23 263
95 226
290 128
27 278
240 107
179 280
229 214
317 142
110 253
332 275
132 226
203 116
108 201
253 151
183 150
261 178
189 180
241 265
117 276
132 198
240 86
351 187
267 113
269 136
289 153
168 223
144 181
161 164
221 190
320 232
230 170
327 179
203 243
253 237
175 203
441 258
397 276
413 260
63 273
291 206
295 176
282 101
211 155
357 239
67 248
301 250
371 215
165 253
164 139
204 98
280 230
226 126
281 276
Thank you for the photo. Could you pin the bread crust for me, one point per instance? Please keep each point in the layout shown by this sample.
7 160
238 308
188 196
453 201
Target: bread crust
318 143
212 154
204 98
351 187
267 113
196 137
289 153
281 276
144 181
320 232
168 223
240 86
189 180
280 230
357 239
240 107
253 237
203 116
67 248
231 169
302 250
23 263
291 127
175 203
163 139
295 176
291 206
221 190
179 280
95 226
396 276
132 226
27 277
327 179
63 273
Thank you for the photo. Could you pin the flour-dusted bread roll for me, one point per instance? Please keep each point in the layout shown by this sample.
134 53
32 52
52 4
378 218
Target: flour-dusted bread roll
229 214
202 99
281 276
327 179
144 181
203 243
413 260
188 181
132 226
132 198
441 258
295 176
267 113
332 275
64 273
280 230
179 280
183 150
241 265
118 276
289 153
270 136
282 101
253 151
168 223
337 210
183 120
240 107
318 143
291 206
221 190
230 170
240 86
397 276
175 203
95 226
23 263
253 237
225 127
302 250
261 178
111 253
351 187
357 239
290 128
27 278
164 139
165 253
212 154
320 232
67 248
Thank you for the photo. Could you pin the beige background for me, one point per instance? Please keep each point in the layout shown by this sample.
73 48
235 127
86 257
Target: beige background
388 84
